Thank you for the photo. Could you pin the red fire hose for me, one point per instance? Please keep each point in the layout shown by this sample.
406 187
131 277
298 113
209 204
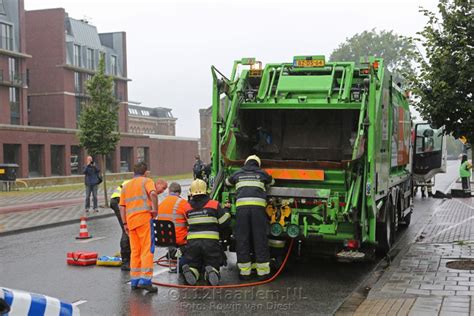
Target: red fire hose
161 260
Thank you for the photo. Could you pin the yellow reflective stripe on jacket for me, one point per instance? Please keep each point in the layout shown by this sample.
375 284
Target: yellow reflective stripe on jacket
251 201
250 183
202 220
223 218
203 235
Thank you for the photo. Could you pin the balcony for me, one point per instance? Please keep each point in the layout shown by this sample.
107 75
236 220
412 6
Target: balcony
12 80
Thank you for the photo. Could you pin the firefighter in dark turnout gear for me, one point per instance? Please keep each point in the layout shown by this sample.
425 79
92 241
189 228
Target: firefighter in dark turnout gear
124 241
251 220
203 251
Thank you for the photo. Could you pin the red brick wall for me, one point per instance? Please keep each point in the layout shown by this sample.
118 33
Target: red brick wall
45 40
166 157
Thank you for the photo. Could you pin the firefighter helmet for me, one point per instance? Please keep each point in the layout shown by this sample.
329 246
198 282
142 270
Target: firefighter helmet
198 187
254 157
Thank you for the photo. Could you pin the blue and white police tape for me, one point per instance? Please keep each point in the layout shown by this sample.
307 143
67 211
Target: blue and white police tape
28 304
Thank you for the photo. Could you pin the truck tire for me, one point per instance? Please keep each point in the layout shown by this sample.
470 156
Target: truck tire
385 230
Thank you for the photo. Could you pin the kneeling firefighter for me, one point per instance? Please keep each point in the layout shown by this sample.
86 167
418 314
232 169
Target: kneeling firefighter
173 208
252 226
203 251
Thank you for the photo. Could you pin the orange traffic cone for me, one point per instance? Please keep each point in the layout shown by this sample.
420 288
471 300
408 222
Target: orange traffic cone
83 233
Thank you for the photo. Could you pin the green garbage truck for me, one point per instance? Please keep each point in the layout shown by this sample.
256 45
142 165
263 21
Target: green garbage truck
336 138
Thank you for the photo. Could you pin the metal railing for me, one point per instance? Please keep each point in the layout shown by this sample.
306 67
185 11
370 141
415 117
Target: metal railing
12 79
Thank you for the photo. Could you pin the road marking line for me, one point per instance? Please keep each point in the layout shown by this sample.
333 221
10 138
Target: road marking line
77 303
89 240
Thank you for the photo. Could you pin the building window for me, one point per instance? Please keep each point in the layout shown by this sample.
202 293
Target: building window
77 82
14 106
78 110
57 160
90 59
77 55
12 68
11 153
126 159
6 34
113 65
35 160
142 154
76 160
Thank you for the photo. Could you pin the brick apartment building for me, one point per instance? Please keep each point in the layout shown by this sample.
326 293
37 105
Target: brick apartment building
45 59
145 120
66 54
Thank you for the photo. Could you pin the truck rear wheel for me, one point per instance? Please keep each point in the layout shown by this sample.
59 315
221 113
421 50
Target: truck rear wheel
386 229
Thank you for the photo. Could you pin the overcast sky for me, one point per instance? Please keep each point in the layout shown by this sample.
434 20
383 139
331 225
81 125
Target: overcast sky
173 43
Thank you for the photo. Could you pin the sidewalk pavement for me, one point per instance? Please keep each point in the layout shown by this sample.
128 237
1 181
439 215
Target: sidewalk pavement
418 282
42 210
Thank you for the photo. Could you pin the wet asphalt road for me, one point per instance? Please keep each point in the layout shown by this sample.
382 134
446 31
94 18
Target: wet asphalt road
36 262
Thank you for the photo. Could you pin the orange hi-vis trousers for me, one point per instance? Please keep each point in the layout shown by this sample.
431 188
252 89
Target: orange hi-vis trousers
141 258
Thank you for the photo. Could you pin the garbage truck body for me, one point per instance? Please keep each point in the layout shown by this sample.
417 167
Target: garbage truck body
336 138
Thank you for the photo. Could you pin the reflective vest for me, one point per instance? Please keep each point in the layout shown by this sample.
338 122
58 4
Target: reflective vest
464 170
173 208
135 198
203 223
118 190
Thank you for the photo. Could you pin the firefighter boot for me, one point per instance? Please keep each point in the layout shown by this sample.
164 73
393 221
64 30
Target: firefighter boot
149 288
189 275
212 276
125 266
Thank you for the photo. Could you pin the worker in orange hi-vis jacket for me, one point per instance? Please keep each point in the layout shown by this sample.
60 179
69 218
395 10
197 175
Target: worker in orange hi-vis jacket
138 205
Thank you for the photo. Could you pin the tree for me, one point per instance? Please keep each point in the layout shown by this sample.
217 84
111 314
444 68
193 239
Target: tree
98 122
443 84
396 50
